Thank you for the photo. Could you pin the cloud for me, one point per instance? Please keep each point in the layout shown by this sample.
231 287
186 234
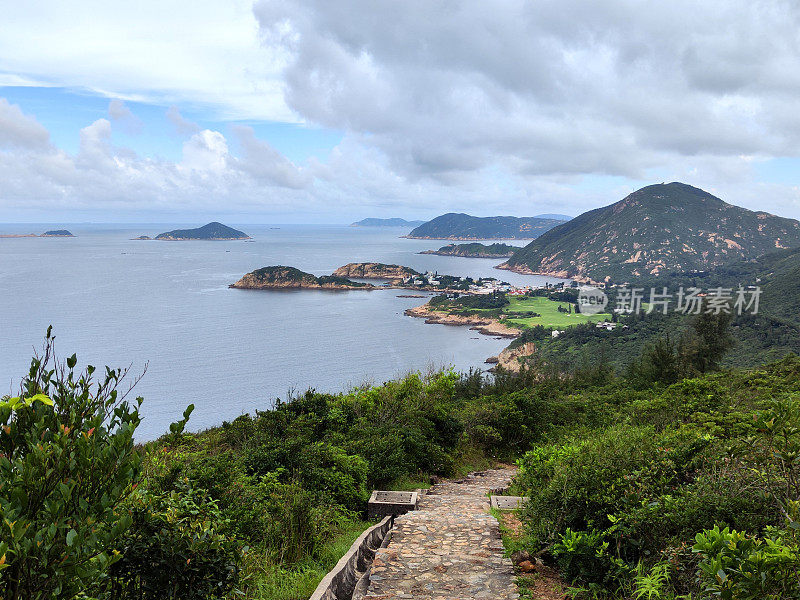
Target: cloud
556 87
19 130
264 163
103 176
506 107
131 50
182 126
121 114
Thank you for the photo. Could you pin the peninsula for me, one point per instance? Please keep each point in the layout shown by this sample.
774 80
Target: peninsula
475 250
211 231
281 277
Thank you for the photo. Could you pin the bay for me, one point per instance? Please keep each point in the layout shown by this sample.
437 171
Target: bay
122 302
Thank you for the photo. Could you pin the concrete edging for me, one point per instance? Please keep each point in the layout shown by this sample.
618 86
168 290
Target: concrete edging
341 582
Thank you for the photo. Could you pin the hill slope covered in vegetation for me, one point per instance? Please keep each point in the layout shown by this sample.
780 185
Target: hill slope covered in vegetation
459 226
655 230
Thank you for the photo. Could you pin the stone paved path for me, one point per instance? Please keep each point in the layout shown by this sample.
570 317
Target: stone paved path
449 548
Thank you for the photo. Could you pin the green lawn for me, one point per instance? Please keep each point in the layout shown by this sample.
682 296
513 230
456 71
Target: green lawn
549 311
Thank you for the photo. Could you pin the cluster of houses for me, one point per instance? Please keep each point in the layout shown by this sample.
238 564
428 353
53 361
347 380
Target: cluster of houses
484 285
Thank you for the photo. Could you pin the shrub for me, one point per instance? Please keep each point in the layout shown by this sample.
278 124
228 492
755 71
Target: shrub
735 566
67 461
175 549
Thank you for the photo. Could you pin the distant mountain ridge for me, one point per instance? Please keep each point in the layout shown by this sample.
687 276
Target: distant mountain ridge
555 216
210 231
393 222
460 226
655 230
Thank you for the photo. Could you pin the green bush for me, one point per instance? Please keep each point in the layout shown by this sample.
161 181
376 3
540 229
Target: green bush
67 464
735 566
175 549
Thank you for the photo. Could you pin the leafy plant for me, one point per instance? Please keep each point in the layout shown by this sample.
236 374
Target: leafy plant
67 462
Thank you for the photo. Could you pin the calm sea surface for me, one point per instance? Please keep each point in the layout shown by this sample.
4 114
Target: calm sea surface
119 302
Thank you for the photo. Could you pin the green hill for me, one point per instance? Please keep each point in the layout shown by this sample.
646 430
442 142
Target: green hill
474 250
459 226
211 231
655 230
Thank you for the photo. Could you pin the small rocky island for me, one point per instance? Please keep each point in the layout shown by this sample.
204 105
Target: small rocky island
212 231
281 277
475 250
58 233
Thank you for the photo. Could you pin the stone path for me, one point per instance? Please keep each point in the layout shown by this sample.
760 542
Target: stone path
449 548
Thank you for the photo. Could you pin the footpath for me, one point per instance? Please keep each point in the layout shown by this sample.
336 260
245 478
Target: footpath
449 548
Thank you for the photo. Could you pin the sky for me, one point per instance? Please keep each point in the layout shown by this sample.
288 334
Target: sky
311 111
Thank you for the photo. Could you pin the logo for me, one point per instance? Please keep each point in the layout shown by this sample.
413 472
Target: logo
591 300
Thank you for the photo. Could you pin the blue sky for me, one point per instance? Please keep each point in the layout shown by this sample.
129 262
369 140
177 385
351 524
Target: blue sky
64 112
311 111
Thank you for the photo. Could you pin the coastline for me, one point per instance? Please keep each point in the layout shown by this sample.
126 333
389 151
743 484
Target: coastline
524 270
463 239
437 253
484 325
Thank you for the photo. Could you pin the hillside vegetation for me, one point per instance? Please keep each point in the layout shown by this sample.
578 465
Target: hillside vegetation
474 250
683 488
654 231
459 226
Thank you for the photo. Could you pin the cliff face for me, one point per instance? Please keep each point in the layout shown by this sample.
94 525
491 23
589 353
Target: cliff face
375 271
509 358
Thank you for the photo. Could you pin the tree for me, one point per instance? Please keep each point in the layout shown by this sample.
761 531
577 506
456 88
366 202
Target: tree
67 460
707 343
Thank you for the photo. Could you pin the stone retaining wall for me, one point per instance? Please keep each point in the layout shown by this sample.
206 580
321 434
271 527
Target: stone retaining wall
343 580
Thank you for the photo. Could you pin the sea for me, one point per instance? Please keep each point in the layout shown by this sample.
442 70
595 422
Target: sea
164 311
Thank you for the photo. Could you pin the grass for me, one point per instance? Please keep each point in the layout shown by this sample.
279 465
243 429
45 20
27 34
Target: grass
551 317
271 582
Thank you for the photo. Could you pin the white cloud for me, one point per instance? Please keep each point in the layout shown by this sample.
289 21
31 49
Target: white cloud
182 126
19 130
206 53
501 107
121 114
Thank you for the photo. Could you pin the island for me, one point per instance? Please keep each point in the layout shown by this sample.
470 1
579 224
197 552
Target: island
458 226
475 250
212 231
282 277
60 233
57 233
393 222
143 237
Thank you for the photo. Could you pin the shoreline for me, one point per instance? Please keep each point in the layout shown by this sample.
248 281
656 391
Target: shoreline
484 325
463 239
524 270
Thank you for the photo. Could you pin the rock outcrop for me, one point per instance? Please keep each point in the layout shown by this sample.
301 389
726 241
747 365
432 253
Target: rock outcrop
375 271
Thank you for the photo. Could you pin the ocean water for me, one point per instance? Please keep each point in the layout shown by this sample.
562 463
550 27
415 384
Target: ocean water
166 305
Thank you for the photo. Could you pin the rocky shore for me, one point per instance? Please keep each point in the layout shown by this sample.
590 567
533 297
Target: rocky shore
375 271
509 359
487 326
